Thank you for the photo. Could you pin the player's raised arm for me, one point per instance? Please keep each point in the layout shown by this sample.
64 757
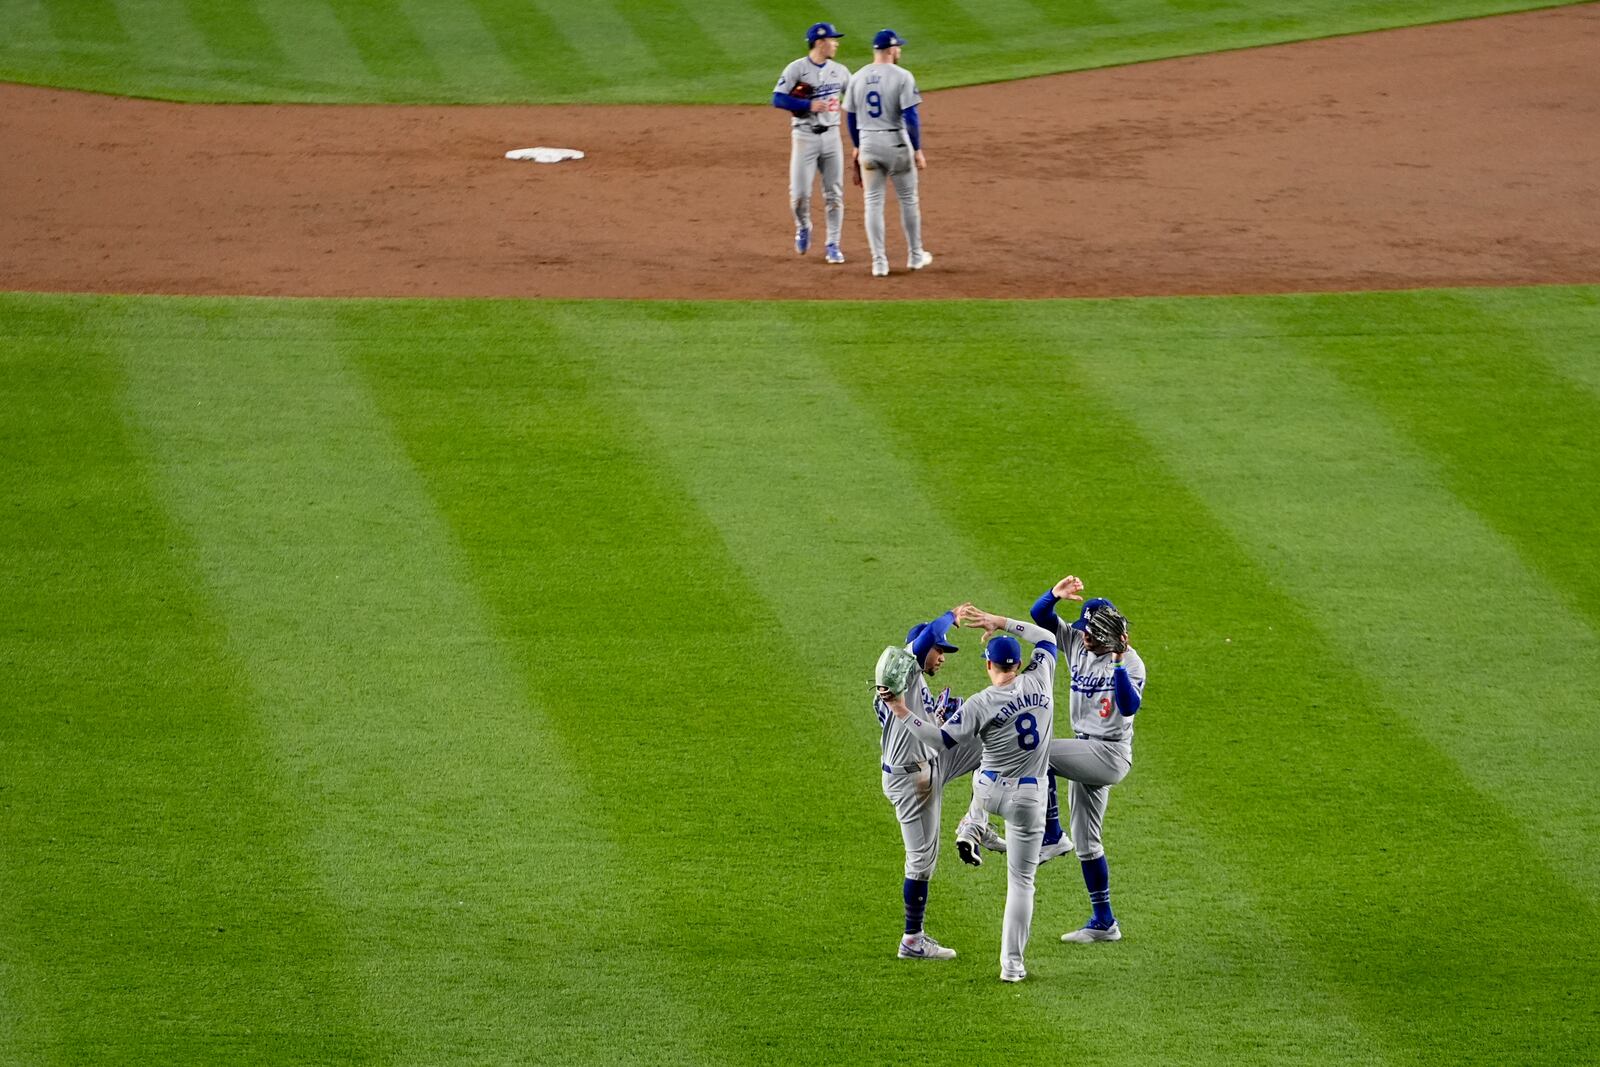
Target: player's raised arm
933 634
984 620
1043 611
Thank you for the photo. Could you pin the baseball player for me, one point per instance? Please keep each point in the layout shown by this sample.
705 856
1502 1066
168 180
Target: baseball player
881 104
914 777
810 89
1013 719
1108 679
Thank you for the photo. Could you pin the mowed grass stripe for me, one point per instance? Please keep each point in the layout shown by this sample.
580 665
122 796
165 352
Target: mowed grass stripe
433 784
461 45
1356 523
1370 850
668 677
234 32
1514 441
531 42
600 31
825 510
157 907
92 23
389 45
1576 310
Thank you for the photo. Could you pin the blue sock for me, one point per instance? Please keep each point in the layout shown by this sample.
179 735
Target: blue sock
1052 815
1097 876
916 894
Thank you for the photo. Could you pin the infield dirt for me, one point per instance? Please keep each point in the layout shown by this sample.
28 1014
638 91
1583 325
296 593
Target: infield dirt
1466 153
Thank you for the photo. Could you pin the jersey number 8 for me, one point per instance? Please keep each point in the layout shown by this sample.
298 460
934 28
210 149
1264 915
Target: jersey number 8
1027 732
875 104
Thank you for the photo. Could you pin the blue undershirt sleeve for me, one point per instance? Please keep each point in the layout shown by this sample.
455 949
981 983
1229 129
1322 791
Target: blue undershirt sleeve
855 131
913 128
1126 693
1043 612
798 105
932 634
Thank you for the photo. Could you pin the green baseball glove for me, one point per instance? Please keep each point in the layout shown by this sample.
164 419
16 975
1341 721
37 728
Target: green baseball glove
894 670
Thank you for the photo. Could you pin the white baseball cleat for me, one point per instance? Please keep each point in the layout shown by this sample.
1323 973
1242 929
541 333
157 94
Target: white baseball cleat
1012 976
919 260
1051 851
923 947
880 270
969 838
1092 933
993 841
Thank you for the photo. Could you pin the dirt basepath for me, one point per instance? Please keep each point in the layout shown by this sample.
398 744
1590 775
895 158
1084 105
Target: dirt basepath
1459 154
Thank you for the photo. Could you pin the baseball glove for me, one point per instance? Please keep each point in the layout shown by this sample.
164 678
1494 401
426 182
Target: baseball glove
1106 631
803 90
894 670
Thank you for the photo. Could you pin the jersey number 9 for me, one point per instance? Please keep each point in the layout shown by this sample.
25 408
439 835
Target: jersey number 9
875 104
1027 732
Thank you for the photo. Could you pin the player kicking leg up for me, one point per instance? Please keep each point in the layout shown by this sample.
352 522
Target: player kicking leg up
915 773
1107 689
1013 719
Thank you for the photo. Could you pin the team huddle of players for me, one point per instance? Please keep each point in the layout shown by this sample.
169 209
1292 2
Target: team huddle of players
880 104
1004 736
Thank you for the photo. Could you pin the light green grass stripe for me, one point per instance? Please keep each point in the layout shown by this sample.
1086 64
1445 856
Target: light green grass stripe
1315 799
1511 438
164 34
1575 313
460 45
831 529
27 27
319 48
1355 522
408 737
605 40
86 24
389 46
155 910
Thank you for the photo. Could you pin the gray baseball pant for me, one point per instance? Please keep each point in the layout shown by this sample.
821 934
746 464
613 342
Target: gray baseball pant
1022 806
808 153
884 158
918 799
1092 768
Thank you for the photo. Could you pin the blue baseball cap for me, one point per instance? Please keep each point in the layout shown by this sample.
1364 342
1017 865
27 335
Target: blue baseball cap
821 30
911 636
1089 607
887 39
1003 649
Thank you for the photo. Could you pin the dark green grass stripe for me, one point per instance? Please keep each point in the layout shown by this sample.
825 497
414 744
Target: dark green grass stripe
388 43
1073 14
1514 441
233 30
158 904
836 537
455 838
640 638
669 31
1379 858
532 43
86 21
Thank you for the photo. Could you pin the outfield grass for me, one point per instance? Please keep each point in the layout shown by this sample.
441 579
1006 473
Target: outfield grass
477 681
647 51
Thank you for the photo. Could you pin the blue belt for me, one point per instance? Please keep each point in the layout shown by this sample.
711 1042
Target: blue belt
910 768
994 776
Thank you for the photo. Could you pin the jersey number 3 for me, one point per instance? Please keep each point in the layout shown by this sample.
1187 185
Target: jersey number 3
875 104
1027 732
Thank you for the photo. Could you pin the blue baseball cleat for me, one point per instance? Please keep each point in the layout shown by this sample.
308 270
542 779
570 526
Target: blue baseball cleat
834 255
802 240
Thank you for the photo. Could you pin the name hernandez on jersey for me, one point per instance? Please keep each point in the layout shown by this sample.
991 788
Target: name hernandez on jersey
1014 721
827 82
1091 704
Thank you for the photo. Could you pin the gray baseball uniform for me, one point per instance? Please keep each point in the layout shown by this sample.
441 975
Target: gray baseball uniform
878 96
1014 722
814 142
1100 753
915 774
